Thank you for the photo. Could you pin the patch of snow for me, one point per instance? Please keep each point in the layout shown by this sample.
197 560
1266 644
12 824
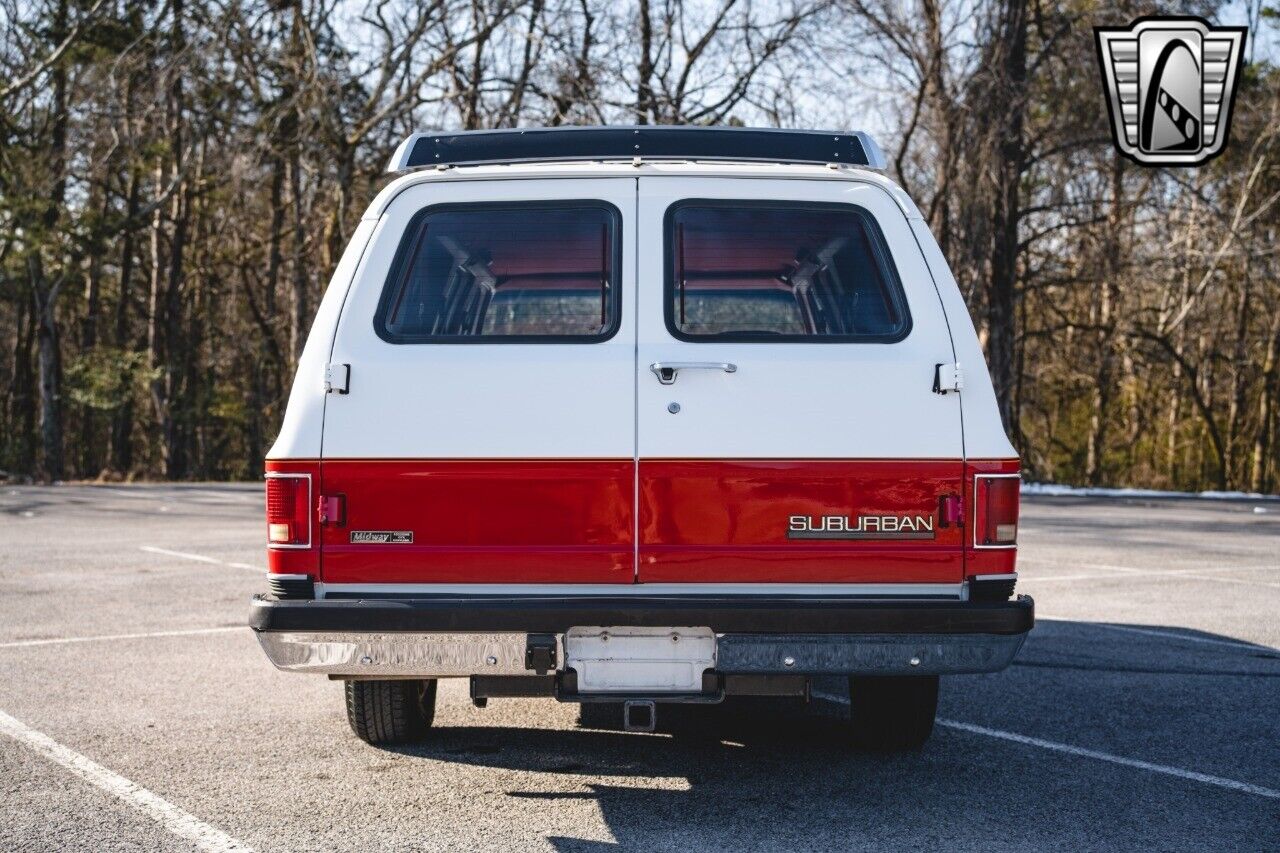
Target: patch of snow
1060 490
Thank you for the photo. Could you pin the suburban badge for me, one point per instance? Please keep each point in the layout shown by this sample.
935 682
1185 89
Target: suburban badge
860 527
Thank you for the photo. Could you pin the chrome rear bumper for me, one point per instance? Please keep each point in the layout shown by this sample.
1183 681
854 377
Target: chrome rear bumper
453 636
418 655
436 655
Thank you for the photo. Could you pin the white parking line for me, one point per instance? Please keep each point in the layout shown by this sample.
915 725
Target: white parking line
1152 632
1054 746
1068 749
151 549
20 644
181 823
199 558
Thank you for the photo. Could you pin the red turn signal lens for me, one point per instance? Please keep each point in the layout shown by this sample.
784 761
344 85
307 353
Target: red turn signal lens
997 507
288 510
950 510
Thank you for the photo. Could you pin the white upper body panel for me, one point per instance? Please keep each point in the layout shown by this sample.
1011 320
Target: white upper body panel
486 399
984 435
523 400
301 433
809 399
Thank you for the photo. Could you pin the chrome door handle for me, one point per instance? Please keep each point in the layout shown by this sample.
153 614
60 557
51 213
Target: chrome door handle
666 370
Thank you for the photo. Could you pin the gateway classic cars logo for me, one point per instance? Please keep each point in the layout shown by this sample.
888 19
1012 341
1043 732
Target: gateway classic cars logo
1170 84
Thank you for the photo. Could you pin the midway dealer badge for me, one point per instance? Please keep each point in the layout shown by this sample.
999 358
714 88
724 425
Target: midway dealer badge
1170 83
382 537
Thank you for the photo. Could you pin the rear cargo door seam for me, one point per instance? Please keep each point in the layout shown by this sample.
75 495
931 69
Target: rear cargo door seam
635 385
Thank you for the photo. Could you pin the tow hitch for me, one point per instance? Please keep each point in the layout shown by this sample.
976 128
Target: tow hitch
639 715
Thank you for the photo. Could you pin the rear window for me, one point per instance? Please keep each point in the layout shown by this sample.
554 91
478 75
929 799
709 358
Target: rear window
774 271
504 273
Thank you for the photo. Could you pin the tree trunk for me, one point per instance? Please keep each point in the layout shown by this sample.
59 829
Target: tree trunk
945 110
1266 436
1103 380
1240 368
166 278
644 82
299 310
50 367
122 421
89 460
1008 98
155 324
44 292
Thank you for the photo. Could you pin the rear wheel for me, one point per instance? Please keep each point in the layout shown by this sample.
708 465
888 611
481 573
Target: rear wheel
391 712
892 713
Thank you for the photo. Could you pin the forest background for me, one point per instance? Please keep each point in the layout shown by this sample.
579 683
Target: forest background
179 177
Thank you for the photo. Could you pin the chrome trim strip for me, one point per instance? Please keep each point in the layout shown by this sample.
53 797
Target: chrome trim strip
1012 576
954 591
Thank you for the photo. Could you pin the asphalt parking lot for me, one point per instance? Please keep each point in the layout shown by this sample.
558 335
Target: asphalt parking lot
138 713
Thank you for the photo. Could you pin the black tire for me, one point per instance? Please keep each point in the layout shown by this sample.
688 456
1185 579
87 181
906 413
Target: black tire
391 712
892 713
600 715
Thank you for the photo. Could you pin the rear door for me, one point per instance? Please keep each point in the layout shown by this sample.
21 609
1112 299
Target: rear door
488 436
788 431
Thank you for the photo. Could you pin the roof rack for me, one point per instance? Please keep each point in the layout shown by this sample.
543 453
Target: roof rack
647 142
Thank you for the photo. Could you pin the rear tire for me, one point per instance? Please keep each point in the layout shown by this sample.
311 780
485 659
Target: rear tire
391 712
892 713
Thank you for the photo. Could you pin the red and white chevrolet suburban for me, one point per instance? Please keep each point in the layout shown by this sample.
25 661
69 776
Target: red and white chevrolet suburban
629 416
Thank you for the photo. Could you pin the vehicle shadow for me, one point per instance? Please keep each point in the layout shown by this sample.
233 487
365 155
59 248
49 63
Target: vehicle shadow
761 775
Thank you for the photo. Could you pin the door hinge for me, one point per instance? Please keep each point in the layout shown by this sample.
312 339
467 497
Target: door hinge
947 378
337 378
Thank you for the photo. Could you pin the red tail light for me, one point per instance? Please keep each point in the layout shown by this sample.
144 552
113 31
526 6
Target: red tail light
289 510
996 510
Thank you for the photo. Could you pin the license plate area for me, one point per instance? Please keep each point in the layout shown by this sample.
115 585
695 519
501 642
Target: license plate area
639 660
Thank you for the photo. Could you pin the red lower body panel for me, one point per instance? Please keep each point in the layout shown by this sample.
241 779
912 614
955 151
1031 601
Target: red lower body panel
481 521
710 521
700 521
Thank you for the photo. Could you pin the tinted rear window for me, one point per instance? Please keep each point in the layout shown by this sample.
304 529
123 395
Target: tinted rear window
765 271
489 273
